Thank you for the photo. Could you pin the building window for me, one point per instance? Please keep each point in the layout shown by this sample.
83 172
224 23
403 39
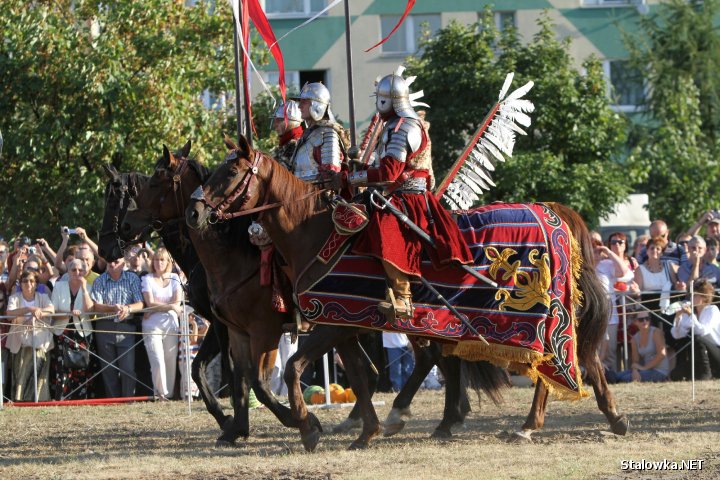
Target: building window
627 89
294 8
503 20
610 3
292 78
407 38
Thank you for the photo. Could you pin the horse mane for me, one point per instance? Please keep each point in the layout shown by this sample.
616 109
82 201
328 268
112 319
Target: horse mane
290 192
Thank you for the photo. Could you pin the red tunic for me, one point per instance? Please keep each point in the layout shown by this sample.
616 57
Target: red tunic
387 238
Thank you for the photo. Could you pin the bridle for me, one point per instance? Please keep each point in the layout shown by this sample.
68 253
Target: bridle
115 228
246 187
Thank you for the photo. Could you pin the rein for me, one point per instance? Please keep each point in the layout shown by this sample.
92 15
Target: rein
245 188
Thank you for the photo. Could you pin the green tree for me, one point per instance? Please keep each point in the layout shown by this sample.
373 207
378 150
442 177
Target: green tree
678 49
571 150
86 82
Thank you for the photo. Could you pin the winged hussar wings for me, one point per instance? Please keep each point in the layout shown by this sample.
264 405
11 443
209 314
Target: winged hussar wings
471 174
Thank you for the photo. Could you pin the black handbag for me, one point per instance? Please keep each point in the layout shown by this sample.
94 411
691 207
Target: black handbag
76 359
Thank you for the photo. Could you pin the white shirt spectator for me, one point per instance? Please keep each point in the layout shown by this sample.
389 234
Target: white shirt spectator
708 324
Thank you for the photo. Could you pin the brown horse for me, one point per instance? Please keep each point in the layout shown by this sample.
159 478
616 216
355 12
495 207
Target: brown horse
158 205
297 219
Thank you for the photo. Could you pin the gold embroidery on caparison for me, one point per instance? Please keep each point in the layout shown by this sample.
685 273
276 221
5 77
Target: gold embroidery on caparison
531 288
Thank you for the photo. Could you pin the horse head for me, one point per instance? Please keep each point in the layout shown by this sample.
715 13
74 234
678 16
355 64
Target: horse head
234 186
119 190
162 200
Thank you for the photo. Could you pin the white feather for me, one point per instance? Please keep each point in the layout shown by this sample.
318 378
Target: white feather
483 157
480 172
517 117
520 92
416 95
491 148
509 124
522 104
410 80
506 86
399 70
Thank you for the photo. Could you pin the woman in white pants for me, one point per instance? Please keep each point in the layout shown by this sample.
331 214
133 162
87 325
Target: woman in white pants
162 292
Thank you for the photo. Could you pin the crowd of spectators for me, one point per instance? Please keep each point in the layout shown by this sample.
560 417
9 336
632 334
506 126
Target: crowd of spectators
72 322
651 287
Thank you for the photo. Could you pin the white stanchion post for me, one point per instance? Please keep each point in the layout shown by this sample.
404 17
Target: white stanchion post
326 369
625 332
692 338
186 341
32 342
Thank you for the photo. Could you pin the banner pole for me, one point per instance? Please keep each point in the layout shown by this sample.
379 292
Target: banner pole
236 53
351 89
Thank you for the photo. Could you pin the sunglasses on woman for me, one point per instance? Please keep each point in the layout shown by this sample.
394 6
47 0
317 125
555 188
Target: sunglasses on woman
617 242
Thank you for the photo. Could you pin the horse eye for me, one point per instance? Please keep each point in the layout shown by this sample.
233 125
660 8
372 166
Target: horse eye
232 172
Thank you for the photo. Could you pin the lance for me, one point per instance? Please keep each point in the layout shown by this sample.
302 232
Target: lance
351 89
246 89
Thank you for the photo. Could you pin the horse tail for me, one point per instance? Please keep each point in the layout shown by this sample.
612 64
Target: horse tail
486 377
594 310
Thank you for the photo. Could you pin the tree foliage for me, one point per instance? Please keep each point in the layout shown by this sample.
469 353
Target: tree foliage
86 82
570 153
678 49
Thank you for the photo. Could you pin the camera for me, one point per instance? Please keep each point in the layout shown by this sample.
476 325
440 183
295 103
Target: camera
32 250
24 241
715 214
69 231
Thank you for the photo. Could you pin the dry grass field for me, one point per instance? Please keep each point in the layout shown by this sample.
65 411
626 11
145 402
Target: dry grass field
162 441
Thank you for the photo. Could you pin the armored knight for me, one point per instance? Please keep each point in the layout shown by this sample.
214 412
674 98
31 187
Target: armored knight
319 152
403 167
288 133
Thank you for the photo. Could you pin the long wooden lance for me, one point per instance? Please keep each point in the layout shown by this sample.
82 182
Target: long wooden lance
351 89
236 52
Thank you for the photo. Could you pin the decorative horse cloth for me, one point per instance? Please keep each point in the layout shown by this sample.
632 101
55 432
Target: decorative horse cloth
528 321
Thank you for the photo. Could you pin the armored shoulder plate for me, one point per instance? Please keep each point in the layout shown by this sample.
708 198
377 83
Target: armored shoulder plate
400 137
330 150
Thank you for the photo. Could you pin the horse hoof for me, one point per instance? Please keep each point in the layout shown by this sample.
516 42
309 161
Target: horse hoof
347 425
621 425
311 440
219 443
225 425
391 429
521 437
358 445
440 434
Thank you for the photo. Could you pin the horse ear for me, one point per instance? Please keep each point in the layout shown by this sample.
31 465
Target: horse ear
245 145
229 143
110 171
168 157
186 149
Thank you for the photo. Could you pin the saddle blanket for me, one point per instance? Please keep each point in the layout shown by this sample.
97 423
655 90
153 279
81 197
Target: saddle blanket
528 321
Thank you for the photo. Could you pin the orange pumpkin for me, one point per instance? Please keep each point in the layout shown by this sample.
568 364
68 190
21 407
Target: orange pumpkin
318 398
350 395
337 393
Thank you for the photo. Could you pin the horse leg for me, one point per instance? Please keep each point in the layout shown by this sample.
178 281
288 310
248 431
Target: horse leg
355 367
454 396
368 342
240 356
264 353
209 348
400 412
321 339
619 423
536 417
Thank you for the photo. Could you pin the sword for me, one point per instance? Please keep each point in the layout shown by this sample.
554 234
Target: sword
420 233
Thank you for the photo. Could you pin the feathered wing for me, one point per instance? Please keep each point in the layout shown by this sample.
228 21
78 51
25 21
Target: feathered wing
471 174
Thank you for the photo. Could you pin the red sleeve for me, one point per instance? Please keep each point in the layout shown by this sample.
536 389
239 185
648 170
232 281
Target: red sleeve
388 171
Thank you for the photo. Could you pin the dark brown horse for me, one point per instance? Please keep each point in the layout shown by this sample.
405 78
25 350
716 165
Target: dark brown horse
120 190
297 219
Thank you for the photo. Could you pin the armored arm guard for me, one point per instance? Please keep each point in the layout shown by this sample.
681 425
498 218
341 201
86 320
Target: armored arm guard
402 137
330 156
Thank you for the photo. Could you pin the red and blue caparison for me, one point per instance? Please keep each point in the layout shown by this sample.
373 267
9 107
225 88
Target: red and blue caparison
528 321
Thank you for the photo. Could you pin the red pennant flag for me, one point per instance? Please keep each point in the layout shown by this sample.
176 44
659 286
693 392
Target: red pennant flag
410 5
267 34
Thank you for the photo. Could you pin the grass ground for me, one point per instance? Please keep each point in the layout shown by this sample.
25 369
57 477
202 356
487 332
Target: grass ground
163 441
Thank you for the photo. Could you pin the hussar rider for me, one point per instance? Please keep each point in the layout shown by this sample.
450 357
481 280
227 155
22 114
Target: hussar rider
403 167
289 132
319 152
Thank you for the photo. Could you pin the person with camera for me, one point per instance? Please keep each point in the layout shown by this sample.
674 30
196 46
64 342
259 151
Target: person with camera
4 253
98 263
70 371
30 339
698 265
705 318
116 295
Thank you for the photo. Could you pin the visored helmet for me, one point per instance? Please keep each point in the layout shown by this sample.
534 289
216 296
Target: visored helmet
319 97
293 113
392 94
